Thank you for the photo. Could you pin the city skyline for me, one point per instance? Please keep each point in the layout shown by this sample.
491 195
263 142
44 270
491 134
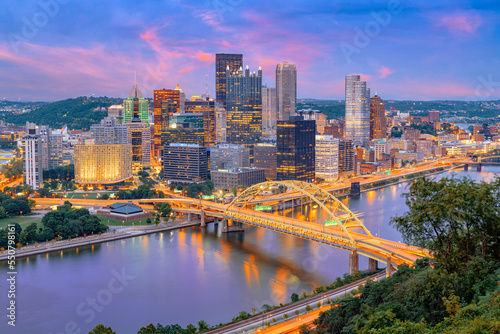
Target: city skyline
450 56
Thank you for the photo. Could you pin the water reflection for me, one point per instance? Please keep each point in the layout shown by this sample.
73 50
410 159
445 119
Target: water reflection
194 273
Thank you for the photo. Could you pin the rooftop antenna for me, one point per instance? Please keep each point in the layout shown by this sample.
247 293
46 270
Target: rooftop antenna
206 84
135 78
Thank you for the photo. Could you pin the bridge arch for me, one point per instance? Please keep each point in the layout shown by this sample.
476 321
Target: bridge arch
339 214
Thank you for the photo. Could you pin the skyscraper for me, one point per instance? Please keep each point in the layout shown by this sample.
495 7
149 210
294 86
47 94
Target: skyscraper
269 112
139 135
185 163
286 90
33 174
135 104
109 132
159 113
222 61
205 106
295 149
378 126
244 108
357 110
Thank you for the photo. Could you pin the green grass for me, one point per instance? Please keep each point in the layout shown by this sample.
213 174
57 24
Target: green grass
116 222
89 195
23 221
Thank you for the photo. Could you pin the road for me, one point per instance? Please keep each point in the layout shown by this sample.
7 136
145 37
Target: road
258 323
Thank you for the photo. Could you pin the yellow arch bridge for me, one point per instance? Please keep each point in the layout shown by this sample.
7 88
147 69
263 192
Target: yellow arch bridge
342 229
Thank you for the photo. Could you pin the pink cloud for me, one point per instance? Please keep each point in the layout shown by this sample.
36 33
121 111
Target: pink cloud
460 23
203 56
384 72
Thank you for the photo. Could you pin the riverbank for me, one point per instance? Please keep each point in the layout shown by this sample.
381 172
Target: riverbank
115 233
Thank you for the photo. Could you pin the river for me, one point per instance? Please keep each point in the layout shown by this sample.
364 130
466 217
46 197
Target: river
185 275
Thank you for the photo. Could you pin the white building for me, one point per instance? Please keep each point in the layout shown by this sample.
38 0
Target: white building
357 110
327 157
286 90
33 173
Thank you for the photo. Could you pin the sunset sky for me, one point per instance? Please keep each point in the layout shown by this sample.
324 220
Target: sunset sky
420 50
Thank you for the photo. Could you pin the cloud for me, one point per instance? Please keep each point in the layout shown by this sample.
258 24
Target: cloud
460 23
384 72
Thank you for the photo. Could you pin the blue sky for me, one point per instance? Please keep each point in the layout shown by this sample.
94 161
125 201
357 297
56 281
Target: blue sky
421 50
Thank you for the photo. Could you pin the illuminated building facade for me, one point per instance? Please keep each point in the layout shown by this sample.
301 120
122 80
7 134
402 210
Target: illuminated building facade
183 128
139 135
327 157
347 158
265 158
206 107
51 149
244 108
378 122
135 104
185 163
269 112
161 111
220 124
109 132
295 149
222 62
286 90
103 164
229 156
33 173
357 110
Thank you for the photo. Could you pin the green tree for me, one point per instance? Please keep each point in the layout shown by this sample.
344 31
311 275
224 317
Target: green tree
104 197
101 329
305 329
295 297
203 326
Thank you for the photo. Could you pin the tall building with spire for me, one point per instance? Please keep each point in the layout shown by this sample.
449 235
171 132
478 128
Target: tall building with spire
378 122
135 104
286 90
244 107
357 110
222 61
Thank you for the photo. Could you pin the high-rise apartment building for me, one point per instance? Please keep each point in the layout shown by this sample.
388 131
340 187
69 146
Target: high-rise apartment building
378 121
357 110
206 107
244 108
229 156
222 62
33 172
139 135
51 145
286 90
327 157
135 104
269 111
265 158
185 163
295 149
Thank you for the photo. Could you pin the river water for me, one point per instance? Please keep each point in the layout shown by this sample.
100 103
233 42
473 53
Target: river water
185 275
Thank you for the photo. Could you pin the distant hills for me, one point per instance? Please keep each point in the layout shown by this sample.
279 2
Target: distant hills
82 112
78 113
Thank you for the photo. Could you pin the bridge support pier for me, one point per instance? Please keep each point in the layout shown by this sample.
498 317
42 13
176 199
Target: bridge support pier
353 263
189 217
216 220
372 265
388 269
355 189
479 166
202 219
466 167
229 226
